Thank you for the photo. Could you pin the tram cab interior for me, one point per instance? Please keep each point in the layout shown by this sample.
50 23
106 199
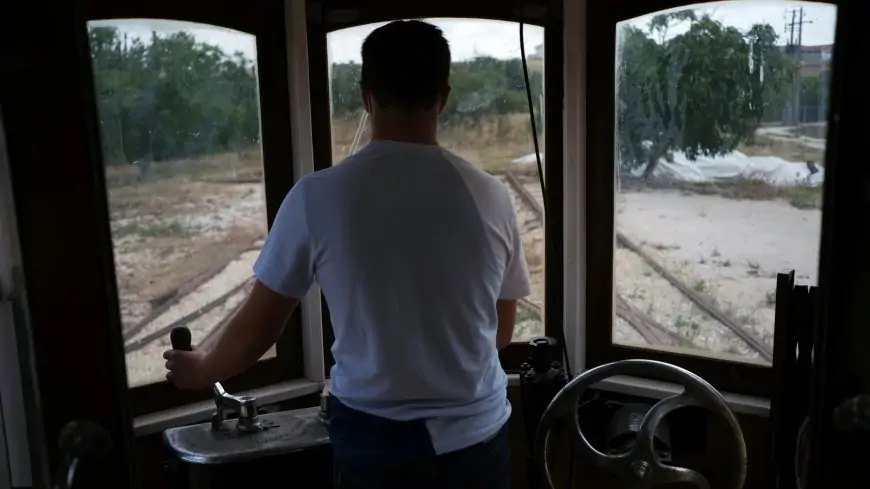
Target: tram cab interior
682 175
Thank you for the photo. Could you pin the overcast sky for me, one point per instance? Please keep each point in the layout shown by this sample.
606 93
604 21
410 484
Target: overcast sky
744 13
470 38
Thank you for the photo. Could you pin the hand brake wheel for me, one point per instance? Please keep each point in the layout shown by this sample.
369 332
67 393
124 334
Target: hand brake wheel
639 466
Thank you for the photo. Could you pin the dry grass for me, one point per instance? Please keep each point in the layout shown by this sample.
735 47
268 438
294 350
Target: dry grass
785 149
178 223
801 197
492 144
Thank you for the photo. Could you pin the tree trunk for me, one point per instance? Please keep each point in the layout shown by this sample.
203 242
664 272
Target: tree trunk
657 153
651 165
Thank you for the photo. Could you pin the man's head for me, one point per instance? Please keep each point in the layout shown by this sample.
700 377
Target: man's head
405 68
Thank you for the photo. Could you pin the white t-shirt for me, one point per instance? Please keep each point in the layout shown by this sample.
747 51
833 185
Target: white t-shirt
412 246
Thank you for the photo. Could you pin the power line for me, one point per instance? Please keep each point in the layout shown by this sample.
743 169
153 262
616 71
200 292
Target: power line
794 48
794 28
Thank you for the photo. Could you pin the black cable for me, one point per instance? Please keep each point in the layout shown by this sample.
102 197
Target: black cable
561 330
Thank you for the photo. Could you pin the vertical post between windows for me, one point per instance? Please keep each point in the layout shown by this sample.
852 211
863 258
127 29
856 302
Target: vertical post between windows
574 181
303 164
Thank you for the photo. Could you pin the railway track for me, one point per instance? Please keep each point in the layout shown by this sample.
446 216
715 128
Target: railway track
653 332
648 328
161 332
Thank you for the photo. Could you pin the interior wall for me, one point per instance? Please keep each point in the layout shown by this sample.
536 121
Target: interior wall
713 457
14 424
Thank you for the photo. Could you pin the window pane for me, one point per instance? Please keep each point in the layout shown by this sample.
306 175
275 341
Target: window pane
486 121
720 164
180 133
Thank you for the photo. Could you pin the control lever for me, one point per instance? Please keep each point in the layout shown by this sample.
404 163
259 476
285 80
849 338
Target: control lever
244 406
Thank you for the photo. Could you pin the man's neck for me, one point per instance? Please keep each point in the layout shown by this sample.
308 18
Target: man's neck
429 140
405 128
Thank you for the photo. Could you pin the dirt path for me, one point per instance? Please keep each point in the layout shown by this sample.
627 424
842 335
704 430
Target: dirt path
729 250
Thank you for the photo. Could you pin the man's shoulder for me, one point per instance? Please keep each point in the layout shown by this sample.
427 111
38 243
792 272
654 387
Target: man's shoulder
328 176
474 172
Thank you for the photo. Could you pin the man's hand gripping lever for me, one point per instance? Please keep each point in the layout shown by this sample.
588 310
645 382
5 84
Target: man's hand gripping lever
244 406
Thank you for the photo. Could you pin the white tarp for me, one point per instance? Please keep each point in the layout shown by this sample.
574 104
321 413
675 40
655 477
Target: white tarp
771 169
529 159
736 165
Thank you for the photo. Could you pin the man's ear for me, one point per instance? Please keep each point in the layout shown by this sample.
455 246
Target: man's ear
445 94
366 99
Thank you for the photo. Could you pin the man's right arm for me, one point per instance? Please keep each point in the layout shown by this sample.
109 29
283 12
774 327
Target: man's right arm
507 319
284 272
515 283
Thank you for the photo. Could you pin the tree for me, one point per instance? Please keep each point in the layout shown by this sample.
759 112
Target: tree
480 87
171 97
702 92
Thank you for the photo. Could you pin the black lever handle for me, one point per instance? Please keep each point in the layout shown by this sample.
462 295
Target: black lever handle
180 338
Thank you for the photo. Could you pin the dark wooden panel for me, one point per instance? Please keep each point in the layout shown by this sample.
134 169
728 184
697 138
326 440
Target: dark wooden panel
842 336
339 14
75 343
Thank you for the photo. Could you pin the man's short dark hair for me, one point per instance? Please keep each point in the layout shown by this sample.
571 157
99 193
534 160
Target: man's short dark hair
406 64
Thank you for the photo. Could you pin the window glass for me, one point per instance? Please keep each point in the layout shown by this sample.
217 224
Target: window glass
486 121
180 132
720 139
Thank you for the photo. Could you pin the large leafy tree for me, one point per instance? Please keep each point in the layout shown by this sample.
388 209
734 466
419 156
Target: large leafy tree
701 92
171 97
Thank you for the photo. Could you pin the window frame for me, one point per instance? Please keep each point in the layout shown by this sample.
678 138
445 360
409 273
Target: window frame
266 21
326 16
749 378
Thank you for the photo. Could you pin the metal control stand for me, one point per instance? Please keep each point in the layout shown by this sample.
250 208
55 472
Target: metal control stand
251 450
244 406
541 378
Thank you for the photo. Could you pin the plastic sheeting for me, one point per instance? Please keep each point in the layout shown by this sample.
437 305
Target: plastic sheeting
733 166
528 159
736 165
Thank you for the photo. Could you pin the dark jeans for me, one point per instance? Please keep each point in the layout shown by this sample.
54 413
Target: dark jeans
371 452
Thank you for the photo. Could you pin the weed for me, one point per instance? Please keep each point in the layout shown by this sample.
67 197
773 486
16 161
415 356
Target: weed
687 328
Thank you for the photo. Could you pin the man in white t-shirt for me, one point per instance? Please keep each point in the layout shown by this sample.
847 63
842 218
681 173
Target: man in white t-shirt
420 259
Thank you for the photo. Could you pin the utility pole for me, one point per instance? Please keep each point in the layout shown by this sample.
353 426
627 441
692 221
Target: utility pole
794 48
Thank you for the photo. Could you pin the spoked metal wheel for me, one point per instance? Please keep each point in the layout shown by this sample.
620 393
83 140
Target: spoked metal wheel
639 467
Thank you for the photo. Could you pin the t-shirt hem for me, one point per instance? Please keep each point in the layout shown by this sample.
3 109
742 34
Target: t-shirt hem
448 444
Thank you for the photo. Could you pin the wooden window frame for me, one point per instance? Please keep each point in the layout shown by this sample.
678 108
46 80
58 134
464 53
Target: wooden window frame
327 16
266 22
749 378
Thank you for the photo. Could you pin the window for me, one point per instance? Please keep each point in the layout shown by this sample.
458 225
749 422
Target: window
486 121
179 126
719 165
